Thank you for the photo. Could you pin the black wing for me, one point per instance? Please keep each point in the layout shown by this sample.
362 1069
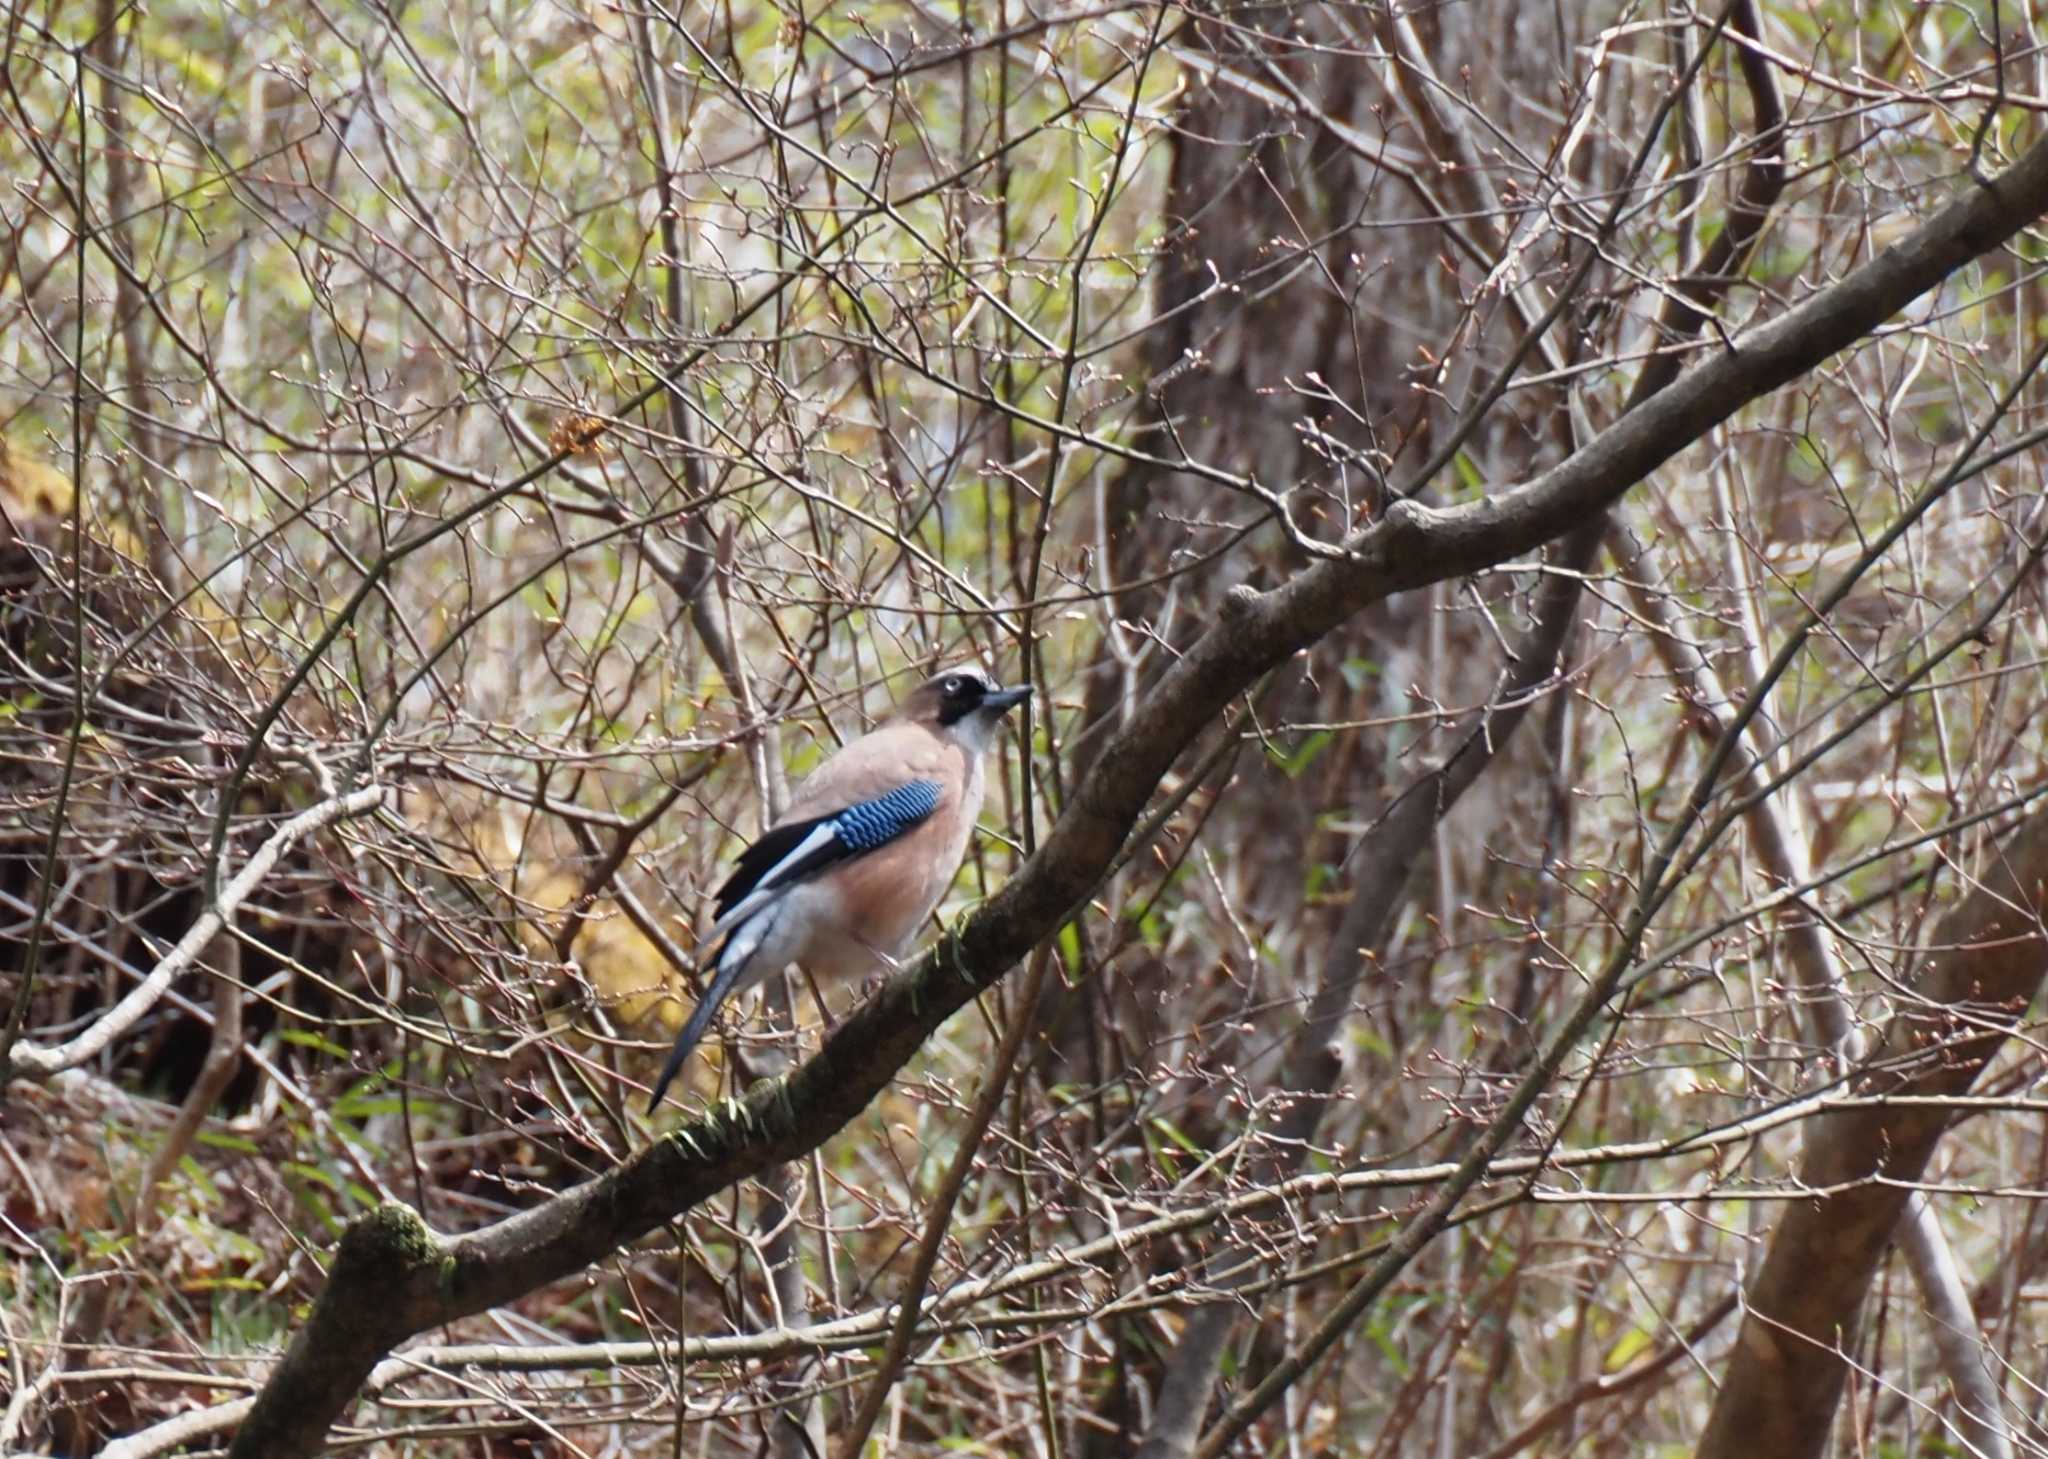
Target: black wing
767 855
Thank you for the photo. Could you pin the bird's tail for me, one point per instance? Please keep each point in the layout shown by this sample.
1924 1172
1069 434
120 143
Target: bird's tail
735 962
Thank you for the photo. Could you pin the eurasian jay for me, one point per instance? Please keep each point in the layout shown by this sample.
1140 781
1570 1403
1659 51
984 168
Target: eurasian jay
870 843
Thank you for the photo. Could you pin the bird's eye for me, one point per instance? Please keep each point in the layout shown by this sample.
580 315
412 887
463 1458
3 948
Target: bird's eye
955 687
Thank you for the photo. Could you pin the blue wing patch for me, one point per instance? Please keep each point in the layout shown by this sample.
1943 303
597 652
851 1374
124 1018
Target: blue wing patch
875 823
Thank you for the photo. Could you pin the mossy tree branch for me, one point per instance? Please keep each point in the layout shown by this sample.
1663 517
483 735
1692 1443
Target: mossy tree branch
392 1278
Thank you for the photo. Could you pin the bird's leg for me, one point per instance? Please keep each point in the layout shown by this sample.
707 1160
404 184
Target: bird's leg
826 1022
771 1057
872 983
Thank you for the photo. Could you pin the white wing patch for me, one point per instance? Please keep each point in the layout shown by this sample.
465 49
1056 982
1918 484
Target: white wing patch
770 885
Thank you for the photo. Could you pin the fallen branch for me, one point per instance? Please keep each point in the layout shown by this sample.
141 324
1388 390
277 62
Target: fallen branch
36 1061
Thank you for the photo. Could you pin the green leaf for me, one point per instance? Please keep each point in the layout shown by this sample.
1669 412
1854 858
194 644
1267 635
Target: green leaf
1293 762
1625 1349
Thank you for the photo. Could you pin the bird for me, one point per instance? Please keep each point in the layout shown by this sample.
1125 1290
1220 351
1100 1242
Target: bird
869 844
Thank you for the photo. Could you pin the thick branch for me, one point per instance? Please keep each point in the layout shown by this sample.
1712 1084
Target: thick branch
1412 547
1785 1378
1779 847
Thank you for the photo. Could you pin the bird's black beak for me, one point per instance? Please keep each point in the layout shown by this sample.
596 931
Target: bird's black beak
1000 701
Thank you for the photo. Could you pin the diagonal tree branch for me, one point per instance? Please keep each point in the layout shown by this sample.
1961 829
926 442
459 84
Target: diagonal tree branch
392 1277
36 1061
1781 849
1310 1068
